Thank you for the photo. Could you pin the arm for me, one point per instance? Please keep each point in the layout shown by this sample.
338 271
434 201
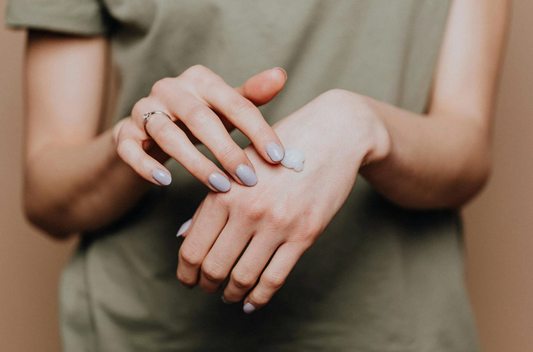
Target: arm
75 179
444 158
433 161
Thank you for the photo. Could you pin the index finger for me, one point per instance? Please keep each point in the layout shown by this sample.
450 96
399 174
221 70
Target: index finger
246 117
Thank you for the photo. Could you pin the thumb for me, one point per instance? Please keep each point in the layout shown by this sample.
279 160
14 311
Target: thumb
263 87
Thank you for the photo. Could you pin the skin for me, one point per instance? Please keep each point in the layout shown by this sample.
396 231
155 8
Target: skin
199 92
77 181
75 178
437 160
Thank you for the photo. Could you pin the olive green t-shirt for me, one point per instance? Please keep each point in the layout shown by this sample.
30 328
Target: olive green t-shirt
380 278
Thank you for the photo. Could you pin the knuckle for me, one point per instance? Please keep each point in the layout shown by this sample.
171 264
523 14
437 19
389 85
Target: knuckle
240 106
197 116
264 130
164 136
190 256
140 107
195 164
312 225
212 271
253 210
273 281
208 288
260 299
145 165
197 73
186 281
227 152
308 229
242 280
162 86
279 215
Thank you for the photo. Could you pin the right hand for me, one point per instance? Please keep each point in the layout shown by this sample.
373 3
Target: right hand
204 109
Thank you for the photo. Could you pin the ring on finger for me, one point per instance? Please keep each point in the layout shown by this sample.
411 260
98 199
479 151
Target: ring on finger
148 115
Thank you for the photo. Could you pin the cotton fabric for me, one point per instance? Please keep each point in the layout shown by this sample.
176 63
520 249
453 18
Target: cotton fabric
380 278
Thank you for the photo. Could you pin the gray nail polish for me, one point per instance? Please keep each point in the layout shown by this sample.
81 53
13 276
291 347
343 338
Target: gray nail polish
162 177
184 227
225 300
248 308
247 175
219 182
275 152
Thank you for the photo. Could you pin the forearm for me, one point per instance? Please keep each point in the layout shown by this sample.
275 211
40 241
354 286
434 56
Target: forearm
79 188
443 159
435 161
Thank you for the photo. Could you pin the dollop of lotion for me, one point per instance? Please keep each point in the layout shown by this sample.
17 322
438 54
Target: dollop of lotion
294 159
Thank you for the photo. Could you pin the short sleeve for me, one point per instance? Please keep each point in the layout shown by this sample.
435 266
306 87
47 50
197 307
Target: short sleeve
82 17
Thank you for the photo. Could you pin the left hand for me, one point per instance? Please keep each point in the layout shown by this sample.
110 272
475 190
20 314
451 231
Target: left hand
287 211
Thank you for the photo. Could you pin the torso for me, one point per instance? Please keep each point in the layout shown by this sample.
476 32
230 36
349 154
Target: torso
380 278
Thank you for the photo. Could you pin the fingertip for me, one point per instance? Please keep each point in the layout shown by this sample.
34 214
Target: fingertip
275 152
219 182
225 300
184 227
248 308
246 175
162 177
282 70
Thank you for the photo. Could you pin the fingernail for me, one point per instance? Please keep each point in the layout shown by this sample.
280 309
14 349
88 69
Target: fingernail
280 68
275 152
248 308
225 300
184 227
162 177
247 175
219 182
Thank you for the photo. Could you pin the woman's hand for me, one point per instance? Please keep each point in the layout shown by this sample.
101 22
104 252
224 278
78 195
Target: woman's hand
202 108
279 220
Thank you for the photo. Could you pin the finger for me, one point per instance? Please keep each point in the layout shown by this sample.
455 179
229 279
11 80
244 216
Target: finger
224 253
263 87
260 89
274 276
245 116
133 154
183 230
247 271
200 237
173 141
207 127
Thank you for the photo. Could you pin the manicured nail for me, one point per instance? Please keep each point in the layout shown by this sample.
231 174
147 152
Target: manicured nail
247 175
220 183
162 177
275 152
225 300
280 68
248 308
184 227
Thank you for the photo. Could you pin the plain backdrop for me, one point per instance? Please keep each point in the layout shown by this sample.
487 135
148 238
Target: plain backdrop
498 223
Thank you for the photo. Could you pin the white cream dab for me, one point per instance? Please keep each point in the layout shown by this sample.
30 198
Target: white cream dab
294 159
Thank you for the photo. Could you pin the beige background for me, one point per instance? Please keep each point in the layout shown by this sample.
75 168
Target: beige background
498 222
